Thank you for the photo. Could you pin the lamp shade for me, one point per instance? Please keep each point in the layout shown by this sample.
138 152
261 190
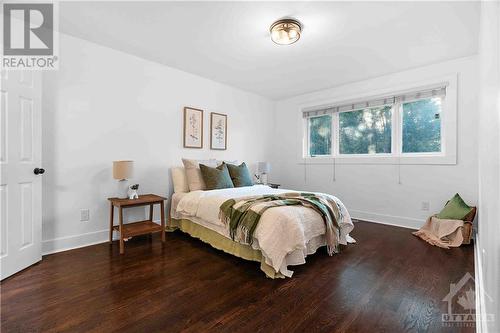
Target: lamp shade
264 167
123 169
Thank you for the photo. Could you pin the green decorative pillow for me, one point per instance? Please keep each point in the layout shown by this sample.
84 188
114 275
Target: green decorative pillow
455 209
216 178
240 175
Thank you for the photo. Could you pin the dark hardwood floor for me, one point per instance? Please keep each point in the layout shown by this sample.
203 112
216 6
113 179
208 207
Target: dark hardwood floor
389 281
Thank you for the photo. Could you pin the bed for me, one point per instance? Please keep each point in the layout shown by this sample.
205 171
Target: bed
284 237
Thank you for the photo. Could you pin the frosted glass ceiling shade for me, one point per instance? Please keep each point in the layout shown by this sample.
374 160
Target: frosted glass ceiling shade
264 167
285 31
123 169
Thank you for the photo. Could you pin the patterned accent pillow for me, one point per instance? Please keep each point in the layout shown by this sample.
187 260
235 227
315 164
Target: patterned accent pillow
240 175
216 178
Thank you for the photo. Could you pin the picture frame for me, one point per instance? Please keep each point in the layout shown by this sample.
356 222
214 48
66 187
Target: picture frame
218 131
193 128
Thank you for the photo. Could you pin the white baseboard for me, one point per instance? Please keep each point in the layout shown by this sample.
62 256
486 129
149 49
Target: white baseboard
74 242
61 244
481 326
55 245
398 221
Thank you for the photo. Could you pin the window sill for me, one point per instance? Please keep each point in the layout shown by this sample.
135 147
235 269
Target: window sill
411 159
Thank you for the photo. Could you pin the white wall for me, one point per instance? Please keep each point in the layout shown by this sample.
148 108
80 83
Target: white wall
372 192
488 245
104 105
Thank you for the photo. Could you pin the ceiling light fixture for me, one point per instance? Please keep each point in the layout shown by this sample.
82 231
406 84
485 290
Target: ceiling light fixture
285 31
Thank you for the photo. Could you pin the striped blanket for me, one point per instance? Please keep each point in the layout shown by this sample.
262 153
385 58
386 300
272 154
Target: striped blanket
242 215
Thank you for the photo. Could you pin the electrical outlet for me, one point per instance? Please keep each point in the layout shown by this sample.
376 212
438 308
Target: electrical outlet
84 214
425 205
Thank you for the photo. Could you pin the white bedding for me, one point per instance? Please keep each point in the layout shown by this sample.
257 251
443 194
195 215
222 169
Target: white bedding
285 235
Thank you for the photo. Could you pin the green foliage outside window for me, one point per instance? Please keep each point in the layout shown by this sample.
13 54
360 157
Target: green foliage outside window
366 131
320 135
369 130
422 126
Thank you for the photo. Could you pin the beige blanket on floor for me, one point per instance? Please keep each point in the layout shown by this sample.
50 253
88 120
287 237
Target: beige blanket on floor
442 233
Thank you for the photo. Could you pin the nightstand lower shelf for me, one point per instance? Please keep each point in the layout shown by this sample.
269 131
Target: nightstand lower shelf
138 228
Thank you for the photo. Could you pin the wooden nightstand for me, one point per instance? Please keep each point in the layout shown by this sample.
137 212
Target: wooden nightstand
273 185
140 227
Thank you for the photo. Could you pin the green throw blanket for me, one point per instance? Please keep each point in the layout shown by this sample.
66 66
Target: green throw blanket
242 215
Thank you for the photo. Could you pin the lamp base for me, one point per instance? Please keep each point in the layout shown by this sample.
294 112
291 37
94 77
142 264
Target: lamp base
123 188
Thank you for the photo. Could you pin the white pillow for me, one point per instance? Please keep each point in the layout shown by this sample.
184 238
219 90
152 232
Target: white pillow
193 173
219 162
180 180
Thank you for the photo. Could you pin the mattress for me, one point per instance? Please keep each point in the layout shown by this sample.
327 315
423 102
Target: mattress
176 198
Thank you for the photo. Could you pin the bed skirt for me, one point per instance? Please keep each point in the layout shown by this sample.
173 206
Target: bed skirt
222 243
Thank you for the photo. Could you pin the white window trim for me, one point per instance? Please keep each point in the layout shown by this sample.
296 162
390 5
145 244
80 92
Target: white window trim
447 156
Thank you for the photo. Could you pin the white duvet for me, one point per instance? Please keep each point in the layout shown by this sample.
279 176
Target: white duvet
285 235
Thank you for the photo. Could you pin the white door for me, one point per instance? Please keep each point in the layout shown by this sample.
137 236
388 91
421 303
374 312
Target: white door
20 187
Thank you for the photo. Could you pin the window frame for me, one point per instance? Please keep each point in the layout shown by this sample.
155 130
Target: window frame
448 123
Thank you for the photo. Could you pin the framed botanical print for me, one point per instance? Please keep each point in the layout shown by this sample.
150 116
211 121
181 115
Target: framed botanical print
193 128
218 131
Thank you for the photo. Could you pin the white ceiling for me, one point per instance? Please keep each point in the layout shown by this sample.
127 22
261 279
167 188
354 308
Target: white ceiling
229 41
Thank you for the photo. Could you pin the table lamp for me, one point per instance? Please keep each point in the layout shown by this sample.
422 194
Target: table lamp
263 169
122 171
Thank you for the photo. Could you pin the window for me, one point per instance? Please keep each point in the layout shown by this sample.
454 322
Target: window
320 135
422 126
405 125
366 131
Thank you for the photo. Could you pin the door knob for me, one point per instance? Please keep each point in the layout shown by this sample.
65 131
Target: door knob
38 171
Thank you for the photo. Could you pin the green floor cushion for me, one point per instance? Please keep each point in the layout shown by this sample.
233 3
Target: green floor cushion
455 209
216 178
240 175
